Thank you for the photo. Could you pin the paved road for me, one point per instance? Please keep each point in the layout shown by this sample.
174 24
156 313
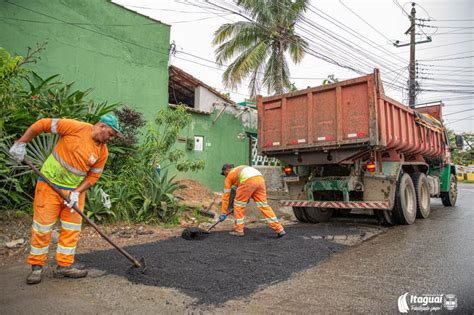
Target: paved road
433 256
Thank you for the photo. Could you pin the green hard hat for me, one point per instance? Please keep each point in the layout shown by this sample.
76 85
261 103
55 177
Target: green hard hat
111 121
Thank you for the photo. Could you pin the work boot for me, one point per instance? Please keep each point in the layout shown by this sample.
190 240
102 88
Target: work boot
35 275
79 265
281 234
69 272
235 233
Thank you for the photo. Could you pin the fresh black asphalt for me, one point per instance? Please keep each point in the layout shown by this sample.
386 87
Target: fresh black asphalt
222 267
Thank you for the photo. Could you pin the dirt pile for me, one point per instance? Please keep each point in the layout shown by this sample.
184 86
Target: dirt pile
196 194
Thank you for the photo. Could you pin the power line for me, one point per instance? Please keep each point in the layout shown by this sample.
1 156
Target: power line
363 20
169 10
90 30
72 23
445 59
436 20
458 112
458 120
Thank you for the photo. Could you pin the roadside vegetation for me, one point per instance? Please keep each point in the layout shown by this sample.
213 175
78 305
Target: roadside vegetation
136 180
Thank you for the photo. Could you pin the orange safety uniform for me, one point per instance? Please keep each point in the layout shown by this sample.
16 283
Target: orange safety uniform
250 184
75 159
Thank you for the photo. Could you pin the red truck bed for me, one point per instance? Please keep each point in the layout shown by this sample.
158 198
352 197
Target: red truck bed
348 114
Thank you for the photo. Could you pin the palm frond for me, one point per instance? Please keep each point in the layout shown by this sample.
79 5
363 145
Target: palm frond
273 26
247 62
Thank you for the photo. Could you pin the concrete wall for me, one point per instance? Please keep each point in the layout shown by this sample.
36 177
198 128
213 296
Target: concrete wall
273 178
123 56
204 99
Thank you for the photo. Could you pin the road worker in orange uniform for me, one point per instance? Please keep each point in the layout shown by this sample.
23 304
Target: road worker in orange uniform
75 164
250 184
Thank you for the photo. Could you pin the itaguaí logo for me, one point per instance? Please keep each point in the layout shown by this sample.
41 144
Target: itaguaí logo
426 302
92 158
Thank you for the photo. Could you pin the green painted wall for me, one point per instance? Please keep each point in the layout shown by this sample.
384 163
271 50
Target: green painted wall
127 63
221 145
123 56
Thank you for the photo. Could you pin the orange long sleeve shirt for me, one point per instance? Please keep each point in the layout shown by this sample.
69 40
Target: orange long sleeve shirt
76 157
232 179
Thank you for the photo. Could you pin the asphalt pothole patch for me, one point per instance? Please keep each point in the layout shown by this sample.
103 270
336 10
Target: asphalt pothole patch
224 267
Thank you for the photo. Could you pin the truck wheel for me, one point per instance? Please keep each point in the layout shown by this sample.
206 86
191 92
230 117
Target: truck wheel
449 198
422 190
341 212
405 201
300 214
385 217
317 215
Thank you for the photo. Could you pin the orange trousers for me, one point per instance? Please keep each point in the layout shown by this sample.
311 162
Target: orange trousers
254 188
48 206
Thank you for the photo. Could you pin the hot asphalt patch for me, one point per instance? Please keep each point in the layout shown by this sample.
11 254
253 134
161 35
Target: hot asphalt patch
224 267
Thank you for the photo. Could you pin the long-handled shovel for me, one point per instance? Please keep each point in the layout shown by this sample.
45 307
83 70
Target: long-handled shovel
136 264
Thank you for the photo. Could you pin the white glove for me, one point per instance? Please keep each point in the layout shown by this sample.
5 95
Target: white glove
105 199
18 151
73 200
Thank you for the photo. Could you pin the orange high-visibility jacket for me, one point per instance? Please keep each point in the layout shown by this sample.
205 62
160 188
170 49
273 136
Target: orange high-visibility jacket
76 157
236 176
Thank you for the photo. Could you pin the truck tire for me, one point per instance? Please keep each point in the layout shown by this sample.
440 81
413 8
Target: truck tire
449 198
385 217
300 214
318 215
422 191
404 209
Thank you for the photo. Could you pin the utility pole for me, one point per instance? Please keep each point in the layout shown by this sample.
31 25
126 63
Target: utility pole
412 80
412 67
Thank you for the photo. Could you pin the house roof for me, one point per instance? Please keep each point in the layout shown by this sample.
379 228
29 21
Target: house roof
188 82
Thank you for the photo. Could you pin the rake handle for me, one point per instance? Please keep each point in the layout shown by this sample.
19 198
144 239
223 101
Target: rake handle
86 218
208 230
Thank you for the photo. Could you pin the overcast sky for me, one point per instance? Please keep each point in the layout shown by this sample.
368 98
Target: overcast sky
347 37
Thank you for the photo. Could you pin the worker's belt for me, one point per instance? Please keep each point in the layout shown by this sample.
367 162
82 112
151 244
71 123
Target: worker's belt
57 186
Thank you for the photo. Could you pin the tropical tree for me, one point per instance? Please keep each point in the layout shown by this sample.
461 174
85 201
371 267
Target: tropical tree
258 46
330 80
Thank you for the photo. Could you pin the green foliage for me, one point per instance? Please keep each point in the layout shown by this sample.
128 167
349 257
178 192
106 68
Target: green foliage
137 192
17 181
461 156
159 203
331 79
25 97
160 138
124 146
8 65
258 47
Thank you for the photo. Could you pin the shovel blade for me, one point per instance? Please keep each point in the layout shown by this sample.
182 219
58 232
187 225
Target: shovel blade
192 234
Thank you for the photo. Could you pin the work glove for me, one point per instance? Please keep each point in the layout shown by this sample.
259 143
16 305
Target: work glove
73 200
105 199
18 151
222 217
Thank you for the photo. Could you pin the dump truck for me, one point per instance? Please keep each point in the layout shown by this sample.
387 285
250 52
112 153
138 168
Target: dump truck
347 146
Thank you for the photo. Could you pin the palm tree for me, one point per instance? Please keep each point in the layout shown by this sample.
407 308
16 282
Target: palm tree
258 47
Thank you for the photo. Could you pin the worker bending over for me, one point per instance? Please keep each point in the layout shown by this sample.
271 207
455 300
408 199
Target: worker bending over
76 163
250 184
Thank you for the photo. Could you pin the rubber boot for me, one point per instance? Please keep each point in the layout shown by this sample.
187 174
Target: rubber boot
35 275
69 272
